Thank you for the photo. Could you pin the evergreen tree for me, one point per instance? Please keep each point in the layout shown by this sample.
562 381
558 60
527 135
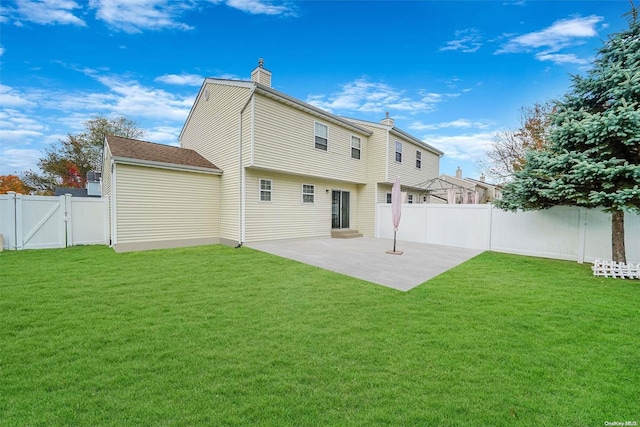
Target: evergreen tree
593 158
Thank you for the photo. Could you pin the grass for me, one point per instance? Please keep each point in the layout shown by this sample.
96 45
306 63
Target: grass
218 336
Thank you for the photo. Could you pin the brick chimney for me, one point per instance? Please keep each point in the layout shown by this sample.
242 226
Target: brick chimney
387 120
261 75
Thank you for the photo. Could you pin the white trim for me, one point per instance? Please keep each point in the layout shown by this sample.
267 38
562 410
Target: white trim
418 159
395 151
162 165
260 190
351 147
312 194
315 122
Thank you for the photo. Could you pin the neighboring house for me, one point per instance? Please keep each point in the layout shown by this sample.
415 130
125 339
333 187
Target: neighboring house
477 191
93 187
284 168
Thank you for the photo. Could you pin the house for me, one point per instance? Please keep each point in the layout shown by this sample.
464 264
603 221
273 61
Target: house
468 190
276 168
93 187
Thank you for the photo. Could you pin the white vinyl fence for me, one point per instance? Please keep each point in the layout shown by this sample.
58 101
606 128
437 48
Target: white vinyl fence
37 222
568 233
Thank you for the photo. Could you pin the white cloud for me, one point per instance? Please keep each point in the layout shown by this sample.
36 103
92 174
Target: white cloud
136 16
457 124
12 98
129 98
133 17
1 51
19 134
561 58
163 134
12 120
366 97
49 12
561 34
181 79
259 7
16 160
467 41
469 147
123 97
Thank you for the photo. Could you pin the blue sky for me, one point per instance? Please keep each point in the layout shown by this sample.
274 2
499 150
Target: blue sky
452 73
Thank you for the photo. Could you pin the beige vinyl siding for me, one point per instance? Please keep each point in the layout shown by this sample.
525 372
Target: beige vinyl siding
285 141
376 172
286 217
162 205
407 171
213 130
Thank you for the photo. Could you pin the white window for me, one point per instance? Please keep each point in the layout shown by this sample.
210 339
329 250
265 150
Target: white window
355 147
308 193
265 190
399 152
388 197
410 198
321 133
418 160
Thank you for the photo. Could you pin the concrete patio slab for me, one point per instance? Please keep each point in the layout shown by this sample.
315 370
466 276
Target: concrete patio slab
366 258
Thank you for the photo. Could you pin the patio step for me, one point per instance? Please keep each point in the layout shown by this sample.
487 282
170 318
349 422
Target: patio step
345 233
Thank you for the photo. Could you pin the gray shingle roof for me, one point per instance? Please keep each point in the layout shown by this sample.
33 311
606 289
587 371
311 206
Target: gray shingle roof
133 149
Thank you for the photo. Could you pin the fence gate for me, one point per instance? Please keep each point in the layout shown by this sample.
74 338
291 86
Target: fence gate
32 222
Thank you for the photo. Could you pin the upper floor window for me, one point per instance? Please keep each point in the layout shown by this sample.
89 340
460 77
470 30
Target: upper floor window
355 147
308 193
265 190
399 152
321 133
418 159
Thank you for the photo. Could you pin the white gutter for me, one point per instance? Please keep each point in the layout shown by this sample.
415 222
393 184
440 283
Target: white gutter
163 165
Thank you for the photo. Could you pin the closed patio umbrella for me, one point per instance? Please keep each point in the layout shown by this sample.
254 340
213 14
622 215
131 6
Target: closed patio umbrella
396 208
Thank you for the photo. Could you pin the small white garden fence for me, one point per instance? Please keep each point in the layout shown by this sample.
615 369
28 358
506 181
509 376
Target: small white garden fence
37 222
605 268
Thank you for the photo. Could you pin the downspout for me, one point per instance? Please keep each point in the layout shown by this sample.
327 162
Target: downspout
242 206
114 210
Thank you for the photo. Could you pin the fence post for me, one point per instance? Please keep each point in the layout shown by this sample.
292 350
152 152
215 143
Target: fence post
11 221
490 226
18 217
582 233
68 220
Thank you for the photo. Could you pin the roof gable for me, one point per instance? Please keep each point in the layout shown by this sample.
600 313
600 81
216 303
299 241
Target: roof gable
150 153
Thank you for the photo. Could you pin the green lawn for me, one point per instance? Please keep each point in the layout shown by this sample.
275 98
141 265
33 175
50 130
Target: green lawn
220 336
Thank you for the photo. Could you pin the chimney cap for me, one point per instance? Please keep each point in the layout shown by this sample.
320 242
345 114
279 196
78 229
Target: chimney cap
261 62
